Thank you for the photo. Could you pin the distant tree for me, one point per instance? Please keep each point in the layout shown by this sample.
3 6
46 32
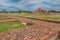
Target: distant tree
52 11
19 11
4 10
0 11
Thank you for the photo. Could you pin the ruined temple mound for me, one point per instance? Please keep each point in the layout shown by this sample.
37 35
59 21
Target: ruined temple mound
41 11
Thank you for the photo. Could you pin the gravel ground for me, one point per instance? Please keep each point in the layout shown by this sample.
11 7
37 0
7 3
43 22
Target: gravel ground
40 30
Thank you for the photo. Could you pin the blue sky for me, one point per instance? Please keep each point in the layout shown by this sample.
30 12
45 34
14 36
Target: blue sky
29 5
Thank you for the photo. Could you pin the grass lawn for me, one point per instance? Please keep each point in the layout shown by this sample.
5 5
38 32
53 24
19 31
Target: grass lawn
6 26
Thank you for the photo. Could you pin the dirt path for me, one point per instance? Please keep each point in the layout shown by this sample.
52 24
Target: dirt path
40 30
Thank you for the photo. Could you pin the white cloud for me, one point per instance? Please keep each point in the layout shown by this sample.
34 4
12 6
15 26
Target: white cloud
31 4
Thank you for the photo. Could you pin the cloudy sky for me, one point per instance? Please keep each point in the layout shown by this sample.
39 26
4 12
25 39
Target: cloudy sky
29 5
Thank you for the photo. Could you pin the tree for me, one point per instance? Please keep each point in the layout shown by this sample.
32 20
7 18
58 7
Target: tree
54 11
19 11
4 10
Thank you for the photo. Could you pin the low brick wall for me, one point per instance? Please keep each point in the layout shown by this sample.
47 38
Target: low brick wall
10 20
41 19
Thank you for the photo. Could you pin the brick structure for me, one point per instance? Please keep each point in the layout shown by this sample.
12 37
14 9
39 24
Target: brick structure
41 11
36 30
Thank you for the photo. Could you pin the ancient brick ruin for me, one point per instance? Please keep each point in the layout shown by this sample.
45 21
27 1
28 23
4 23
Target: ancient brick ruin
40 11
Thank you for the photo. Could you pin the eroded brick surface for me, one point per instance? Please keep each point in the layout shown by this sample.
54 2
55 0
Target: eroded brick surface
41 30
40 11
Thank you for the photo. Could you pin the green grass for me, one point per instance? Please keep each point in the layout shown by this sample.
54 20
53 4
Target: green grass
46 16
6 26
